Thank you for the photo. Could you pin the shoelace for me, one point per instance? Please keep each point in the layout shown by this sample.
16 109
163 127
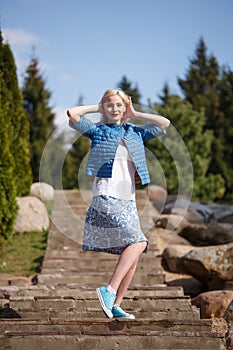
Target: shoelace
118 308
112 299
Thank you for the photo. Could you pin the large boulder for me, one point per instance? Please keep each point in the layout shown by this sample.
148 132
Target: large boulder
222 212
42 190
208 234
165 239
157 195
172 255
171 222
200 212
211 265
229 312
32 215
155 192
213 303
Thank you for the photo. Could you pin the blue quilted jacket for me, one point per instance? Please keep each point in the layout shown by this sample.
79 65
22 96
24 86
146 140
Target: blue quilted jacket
105 139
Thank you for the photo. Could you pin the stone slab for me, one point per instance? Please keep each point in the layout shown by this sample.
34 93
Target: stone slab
117 340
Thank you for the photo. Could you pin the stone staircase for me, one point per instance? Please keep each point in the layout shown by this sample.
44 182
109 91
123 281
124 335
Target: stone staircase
61 311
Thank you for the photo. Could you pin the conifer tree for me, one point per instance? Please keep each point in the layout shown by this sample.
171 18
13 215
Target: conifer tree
17 120
8 188
36 104
189 124
209 88
126 86
225 129
74 159
71 169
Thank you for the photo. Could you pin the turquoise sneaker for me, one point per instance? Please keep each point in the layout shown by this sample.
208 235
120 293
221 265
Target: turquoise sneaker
106 299
118 312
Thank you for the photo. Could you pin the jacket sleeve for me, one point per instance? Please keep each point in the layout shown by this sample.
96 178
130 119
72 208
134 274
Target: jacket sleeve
85 126
149 131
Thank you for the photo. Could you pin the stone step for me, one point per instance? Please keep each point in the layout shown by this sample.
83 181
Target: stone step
130 340
102 325
76 290
69 252
93 302
93 312
99 278
107 269
102 263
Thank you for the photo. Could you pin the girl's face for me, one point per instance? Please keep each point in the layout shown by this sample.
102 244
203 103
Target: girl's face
114 109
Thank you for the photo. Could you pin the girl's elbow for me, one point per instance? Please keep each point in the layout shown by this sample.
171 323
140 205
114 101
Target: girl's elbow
166 124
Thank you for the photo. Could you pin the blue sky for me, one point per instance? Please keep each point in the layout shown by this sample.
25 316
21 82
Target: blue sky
85 47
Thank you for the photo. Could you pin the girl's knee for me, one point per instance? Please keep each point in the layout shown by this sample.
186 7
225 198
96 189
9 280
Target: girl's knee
143 246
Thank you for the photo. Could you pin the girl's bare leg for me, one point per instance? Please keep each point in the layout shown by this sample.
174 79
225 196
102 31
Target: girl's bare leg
125 269
125 283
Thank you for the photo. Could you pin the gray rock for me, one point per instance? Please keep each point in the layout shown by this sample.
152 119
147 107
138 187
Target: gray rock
229 313
213 303
32 215
171 222
208 234
43 191
222 212
203 210
172 255
212 265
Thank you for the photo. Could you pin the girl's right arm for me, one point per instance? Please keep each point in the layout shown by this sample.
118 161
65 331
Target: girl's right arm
75 113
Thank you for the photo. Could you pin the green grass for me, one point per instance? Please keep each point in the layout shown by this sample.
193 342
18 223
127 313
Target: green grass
23 254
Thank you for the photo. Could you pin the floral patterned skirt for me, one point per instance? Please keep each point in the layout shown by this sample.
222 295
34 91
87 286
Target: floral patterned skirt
111 225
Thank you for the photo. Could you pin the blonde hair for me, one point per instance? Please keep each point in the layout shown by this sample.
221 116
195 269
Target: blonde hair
111 92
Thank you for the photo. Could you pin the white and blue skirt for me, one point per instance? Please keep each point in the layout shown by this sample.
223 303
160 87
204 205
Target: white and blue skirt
111 225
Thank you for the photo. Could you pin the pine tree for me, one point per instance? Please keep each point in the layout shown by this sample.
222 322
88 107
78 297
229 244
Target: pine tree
187 130
36 104
74 168
8 188
209 88
199 85
126 86
18 121
225 129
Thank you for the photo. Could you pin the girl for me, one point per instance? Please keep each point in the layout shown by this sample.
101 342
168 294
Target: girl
116 156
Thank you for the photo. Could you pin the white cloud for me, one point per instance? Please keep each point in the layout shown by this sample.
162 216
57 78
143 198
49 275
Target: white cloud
22 44
19 38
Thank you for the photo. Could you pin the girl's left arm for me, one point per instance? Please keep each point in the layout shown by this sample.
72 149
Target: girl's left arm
162 122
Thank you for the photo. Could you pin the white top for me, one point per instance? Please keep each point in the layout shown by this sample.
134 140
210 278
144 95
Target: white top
122 183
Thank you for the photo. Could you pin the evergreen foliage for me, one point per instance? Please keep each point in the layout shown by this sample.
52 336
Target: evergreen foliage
73 174
52 160
17 121
225 129
36 105
73 165
126 86
188 127
8 188
209 88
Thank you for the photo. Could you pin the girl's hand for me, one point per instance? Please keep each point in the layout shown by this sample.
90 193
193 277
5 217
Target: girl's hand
100 108
73 118
76 112
130 111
